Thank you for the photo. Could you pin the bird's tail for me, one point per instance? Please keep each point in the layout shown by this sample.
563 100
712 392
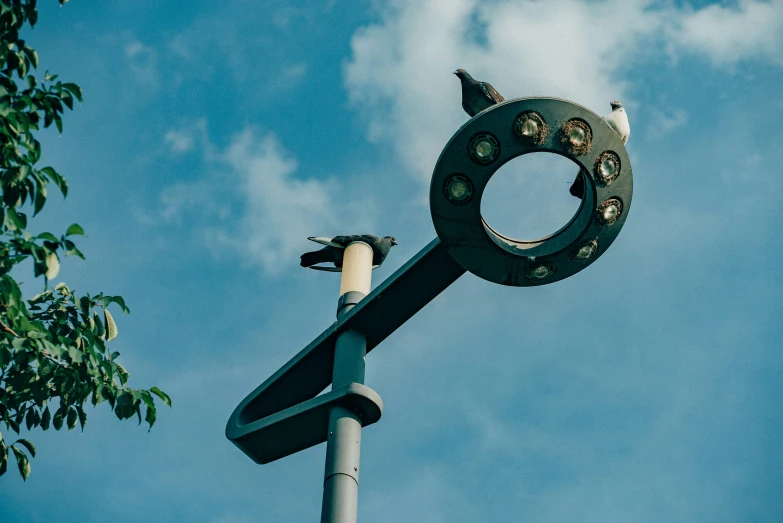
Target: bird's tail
310 258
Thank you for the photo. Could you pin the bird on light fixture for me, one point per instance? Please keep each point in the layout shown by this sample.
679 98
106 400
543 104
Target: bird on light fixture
476 96
334 250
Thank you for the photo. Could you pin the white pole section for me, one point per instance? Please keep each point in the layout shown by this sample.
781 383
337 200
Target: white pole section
357 269
343 444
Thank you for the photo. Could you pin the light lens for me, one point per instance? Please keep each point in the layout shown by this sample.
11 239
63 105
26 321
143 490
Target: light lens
541 272
586 251
577 135
484 149
458 190
529 127
610 213
608 167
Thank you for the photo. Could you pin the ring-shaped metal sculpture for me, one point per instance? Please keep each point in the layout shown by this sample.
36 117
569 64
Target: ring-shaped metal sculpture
476 246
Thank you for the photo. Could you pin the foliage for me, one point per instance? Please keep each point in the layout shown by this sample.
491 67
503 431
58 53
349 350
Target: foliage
53 347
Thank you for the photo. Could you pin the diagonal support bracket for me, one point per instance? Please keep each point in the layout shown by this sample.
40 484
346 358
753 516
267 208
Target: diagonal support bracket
264 425
287 403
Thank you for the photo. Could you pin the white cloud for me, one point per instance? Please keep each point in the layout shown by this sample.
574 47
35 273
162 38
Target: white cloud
399 71
295 72
185 138
280 210
726 35
178 142
254 203
662 123
142 61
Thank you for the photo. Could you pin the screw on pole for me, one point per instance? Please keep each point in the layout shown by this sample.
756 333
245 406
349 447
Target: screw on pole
343 443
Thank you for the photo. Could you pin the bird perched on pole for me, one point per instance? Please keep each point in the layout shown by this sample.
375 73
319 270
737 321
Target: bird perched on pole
335 249
618 121
476 96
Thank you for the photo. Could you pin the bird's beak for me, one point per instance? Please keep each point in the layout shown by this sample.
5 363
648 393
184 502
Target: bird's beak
455 72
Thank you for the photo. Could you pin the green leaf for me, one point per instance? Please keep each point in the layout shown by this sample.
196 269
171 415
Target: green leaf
57 422
99 330
82 417
47 236
118 300
54 176
40 199
28 445
74 89
123 374
29 420
67 99
46 419
73 417
150 416
84 306
162 395
70 249
3 460
74 228
32 55
76 355
52 265
111 326
15 220
22 462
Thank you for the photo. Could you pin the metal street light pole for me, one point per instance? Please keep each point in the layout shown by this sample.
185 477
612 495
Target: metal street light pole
343 443
289 411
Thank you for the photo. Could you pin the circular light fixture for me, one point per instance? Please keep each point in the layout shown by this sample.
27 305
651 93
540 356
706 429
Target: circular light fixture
610 210
530 127
508 131
483 148
576 136
458 189
541 271
585 250
607 167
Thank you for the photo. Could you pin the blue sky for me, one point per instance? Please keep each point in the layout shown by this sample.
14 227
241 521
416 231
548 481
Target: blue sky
215 137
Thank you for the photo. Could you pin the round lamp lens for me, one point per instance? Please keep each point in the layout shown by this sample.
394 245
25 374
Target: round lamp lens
585 252
484 149
458 190
608 167
610 212
541 272
577 135
529 128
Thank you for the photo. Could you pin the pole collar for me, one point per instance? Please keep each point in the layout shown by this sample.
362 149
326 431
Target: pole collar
348 301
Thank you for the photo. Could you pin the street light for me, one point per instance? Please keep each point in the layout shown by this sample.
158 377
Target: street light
286 414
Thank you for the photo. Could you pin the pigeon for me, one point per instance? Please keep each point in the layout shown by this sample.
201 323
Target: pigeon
618 121
476 96
335 248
